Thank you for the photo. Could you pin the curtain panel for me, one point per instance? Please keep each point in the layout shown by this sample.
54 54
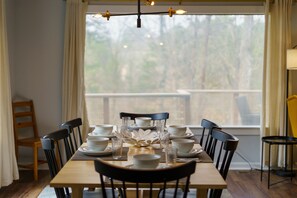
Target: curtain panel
73 96
8 163
277 41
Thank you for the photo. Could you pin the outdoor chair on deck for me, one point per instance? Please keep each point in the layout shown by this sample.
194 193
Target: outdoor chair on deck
247 117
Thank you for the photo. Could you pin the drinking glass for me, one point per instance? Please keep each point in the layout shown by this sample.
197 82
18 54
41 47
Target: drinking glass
117 147
125 123
164 139
170 155
160 125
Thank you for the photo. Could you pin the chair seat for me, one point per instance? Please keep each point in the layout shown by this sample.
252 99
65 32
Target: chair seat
30 142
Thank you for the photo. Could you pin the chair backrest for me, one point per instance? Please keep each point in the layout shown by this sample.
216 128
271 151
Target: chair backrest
24 117
164 178
207 126
51 145
74 130
222 148
292 112
154 116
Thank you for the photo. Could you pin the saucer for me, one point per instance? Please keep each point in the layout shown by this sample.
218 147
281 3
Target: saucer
99 135
186 135
87 151
160 166
135 127
193 153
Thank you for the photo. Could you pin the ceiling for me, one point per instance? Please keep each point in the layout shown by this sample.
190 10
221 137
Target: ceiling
162 2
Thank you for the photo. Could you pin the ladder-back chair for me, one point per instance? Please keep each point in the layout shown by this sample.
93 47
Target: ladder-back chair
26 133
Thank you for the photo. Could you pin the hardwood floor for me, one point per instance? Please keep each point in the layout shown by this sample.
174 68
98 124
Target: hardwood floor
241 184
247 184
26 187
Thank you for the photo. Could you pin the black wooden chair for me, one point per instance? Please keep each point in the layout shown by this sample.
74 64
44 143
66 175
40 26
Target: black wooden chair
74 130
51 145
224 146
207 126
53 149
155 179
154 116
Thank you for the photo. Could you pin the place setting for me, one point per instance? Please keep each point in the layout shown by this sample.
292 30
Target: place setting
144 123
146 161
103 130
96 146
99 147
179 132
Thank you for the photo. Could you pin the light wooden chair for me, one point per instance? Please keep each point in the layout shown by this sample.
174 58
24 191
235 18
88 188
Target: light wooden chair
24 122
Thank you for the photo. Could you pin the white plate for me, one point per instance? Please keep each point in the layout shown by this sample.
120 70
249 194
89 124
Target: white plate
98 135
187 135
135 127
85 150
193 153
158 167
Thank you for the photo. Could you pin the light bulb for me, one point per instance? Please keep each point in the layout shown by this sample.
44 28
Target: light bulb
180 11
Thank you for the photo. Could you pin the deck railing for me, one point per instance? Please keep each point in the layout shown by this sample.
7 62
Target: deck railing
185 106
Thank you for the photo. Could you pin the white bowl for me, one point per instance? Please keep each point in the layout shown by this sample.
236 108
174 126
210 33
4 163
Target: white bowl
103 129
177 130
97 143
143 121
145 161
183 145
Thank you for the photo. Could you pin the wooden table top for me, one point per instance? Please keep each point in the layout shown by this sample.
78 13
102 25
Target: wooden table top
80 174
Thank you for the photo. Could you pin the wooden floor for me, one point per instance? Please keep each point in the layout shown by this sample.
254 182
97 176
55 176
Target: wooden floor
241 184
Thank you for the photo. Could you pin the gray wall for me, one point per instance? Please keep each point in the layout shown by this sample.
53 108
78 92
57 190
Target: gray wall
35 35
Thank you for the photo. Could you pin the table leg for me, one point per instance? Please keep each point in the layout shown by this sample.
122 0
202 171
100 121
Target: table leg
269 166
201 193
262 161
292 162
77 192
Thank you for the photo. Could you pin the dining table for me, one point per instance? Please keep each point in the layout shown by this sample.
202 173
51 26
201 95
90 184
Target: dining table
79 172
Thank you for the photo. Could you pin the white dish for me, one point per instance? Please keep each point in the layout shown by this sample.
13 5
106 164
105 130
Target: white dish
85 150
158 167
107 136
193 153
135 127
187 135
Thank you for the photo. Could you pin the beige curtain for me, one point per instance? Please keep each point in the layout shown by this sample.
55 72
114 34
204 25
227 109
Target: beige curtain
277 40
8 164
73 102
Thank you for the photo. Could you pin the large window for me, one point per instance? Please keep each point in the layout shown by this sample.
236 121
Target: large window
193 66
